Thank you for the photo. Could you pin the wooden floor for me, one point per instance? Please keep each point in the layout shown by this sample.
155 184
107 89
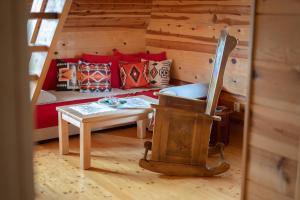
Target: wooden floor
115 173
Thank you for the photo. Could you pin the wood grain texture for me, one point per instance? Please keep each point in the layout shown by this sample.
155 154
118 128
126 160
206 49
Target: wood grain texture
63 133
189 31
116 174
102 42
274 130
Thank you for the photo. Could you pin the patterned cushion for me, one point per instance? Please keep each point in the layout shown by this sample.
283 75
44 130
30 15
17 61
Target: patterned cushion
94 77
115 70
134 75
66 75
159 73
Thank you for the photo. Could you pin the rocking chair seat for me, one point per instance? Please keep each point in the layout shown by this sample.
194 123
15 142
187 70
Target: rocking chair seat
191 91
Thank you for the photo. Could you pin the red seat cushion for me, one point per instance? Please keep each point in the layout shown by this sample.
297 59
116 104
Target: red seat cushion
115 71
46 115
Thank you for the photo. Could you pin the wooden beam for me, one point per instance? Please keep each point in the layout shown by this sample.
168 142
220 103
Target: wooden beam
42 15
38 23
38 48
40 81
33 77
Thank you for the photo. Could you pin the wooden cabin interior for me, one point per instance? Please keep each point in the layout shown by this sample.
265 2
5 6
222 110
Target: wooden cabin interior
150 99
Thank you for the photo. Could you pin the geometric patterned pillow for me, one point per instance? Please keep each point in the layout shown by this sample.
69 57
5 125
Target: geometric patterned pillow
66 75
94 77
159 73
134 75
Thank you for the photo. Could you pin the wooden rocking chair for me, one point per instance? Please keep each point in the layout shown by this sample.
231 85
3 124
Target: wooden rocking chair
182 127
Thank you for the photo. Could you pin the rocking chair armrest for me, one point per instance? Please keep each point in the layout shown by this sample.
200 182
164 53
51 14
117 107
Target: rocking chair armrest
180 97
188 112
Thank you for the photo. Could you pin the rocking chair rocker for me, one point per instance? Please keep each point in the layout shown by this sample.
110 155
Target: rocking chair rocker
182 127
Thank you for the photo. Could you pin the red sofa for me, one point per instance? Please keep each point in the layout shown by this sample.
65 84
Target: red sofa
46 118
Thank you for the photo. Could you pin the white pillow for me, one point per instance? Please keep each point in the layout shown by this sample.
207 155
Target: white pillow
46 98
159 72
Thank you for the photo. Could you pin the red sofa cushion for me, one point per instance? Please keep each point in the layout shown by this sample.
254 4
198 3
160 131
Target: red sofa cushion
46 115
115 71
155 56
51 77
135 57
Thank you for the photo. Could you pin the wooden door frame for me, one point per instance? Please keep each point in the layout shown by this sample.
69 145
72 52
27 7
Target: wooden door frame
248 100
16 168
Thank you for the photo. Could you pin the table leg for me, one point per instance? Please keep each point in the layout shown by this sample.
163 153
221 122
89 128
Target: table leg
85 146
63 134
141 128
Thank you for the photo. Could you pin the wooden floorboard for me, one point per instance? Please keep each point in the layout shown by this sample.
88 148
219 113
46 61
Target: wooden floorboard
115 173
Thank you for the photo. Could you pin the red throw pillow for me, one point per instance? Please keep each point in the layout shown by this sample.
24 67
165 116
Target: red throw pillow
155 56
115 71
51 77
134 75
135 57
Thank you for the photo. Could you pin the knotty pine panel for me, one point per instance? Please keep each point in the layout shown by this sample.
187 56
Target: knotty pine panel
272 171
102 42
273 146
97 27
189 31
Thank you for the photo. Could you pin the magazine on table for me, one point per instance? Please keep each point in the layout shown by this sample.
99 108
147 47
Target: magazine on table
125 103
135 103
92 108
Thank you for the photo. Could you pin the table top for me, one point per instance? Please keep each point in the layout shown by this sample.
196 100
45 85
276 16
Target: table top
107 113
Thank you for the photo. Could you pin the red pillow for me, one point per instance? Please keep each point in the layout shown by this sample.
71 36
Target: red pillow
155 56
135 57
115 71
134 75
51 77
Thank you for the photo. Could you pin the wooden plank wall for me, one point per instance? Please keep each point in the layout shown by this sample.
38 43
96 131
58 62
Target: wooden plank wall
273 148
99 26
189 30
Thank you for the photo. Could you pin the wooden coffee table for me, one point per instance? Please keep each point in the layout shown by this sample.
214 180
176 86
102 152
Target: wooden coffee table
85 122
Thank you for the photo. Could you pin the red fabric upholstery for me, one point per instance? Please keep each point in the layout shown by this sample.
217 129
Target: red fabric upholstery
51 78
155 56
115 77
46 115
135 57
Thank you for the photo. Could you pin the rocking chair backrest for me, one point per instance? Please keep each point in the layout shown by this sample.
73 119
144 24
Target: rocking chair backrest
226 44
